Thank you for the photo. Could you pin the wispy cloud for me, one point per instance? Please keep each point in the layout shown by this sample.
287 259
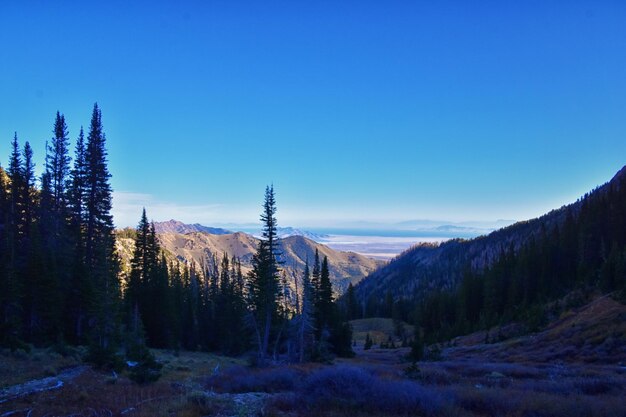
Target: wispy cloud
127 208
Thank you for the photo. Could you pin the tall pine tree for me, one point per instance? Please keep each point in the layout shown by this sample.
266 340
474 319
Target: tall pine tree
80 290
263 280
101 262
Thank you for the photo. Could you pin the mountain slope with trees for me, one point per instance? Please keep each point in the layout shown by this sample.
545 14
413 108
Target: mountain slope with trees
461 286
62 282
58 267
197 247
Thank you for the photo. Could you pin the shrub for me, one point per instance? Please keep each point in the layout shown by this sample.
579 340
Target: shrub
487 401
413 371
206 404
348 387
417 348
368 342
146 370
20 353
241 379
595 386
437 376
198 398
13 343
63 349
104 358
433 353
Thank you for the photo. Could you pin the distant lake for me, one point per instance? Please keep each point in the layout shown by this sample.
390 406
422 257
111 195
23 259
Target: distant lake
379 247
380 243
428 234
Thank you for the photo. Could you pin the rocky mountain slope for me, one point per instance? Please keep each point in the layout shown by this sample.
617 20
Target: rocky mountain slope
196 247
175 226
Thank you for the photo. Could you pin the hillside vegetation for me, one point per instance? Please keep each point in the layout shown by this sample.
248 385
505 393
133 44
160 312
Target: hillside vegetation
200 247
512 274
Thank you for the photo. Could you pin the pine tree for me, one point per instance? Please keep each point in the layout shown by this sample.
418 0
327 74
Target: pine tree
28 265
58 167
283 312
28 190
4 212
45 293
324 307
239 335
53 220
11 307
315 276
177 303
5 251
352 305
368 342
263 280
141 267
77 183
161 311
417 346
30 254
230 331
306 319
4 199
192 307
80 290
17 184
101 263
148 290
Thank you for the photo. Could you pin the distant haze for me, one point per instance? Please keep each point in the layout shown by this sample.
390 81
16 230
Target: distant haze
378 241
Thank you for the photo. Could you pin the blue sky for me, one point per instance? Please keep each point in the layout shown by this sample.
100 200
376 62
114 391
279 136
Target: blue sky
355 110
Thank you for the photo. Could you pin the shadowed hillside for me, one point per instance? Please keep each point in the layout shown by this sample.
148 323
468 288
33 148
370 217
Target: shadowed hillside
429 268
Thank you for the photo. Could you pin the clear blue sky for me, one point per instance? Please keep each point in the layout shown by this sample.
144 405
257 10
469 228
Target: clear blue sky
355 110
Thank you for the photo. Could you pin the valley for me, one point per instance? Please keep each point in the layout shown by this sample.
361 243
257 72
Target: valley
313 209
533 374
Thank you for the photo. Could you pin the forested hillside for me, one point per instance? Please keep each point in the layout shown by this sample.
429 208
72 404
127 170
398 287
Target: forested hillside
62 282
459 286
58 268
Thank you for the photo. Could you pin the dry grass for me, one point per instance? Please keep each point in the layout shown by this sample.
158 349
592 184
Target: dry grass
513 378
93 393
593 333
192 387
19 366
379 329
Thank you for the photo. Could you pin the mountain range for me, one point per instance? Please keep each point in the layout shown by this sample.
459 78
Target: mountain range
196 246
175 226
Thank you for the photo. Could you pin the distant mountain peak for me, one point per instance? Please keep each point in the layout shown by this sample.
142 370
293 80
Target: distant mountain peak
284 232
176 226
